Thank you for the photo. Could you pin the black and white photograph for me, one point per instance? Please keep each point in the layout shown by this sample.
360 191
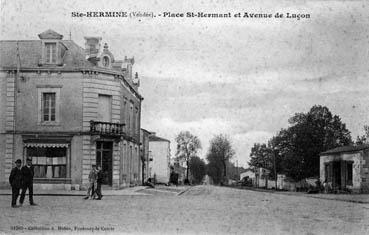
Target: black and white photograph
184 117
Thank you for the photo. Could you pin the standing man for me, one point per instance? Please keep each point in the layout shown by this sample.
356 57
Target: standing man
92 181
27 173
15 180
99 181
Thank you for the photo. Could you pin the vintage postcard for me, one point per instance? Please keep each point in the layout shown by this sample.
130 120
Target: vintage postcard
184 117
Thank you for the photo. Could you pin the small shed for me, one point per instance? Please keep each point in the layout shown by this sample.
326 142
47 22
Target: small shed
346 168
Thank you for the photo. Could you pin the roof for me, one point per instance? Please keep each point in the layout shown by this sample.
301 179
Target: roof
346 149
30 53
144 130
157 138
50 34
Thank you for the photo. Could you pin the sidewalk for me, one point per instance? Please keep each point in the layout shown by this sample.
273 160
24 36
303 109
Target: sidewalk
131 191
355 198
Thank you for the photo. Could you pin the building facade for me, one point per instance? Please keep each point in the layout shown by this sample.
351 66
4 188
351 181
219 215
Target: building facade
68 107
145 155
346 168
159 151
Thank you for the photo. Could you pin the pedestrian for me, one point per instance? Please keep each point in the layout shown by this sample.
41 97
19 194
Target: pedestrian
15 180
27 174
99 181
92 182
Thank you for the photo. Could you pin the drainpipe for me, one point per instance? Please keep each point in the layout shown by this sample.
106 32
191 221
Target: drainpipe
15 99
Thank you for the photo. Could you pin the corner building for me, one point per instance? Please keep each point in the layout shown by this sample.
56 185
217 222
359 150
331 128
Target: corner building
69 107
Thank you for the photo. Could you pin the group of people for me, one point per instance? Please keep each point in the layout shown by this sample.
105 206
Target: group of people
95 179
21 177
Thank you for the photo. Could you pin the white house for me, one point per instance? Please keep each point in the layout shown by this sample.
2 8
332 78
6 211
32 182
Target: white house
159 150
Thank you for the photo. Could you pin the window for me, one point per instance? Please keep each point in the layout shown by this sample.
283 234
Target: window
123 112
50 53
104 108
349 173
48 162
106 61
130 118
137 121
48 107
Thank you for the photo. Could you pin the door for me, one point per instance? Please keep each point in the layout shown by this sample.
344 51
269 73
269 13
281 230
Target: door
104 159
337 174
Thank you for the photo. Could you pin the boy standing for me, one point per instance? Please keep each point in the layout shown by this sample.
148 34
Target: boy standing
92 181
99 181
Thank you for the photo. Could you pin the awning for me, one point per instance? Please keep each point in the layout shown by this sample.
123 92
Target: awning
46 145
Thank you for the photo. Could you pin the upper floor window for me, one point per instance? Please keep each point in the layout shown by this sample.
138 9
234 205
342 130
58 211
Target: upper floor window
48 104
137 121
131 120
50 53
48 107
104 108
106 61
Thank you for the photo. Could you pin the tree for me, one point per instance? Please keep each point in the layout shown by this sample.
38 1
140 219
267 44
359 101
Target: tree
310 134
197 168
260 156
364 139
187 147
220 151
214 171
297 148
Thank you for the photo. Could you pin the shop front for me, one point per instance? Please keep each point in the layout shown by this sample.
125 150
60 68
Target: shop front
50 158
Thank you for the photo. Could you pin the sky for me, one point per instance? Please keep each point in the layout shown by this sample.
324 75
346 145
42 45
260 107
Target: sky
242 77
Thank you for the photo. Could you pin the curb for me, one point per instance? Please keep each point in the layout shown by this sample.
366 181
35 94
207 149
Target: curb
182 192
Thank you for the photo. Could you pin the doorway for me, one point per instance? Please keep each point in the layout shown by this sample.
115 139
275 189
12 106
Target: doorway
104 159
337 174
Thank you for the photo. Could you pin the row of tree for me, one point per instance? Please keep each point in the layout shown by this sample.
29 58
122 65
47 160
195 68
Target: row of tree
218 156
294 151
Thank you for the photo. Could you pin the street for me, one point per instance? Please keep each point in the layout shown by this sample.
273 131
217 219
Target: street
201 209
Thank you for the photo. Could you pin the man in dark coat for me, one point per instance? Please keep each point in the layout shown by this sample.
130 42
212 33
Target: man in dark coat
27 173
15 180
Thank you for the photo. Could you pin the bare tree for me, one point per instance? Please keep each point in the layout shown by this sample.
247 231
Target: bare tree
187 147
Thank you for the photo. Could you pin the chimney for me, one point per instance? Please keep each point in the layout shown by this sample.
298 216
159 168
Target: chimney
92 48
136 80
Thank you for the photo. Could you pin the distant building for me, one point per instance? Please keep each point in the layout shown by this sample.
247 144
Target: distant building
180 170
159 150
248 173
145 156
346 168
68 107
